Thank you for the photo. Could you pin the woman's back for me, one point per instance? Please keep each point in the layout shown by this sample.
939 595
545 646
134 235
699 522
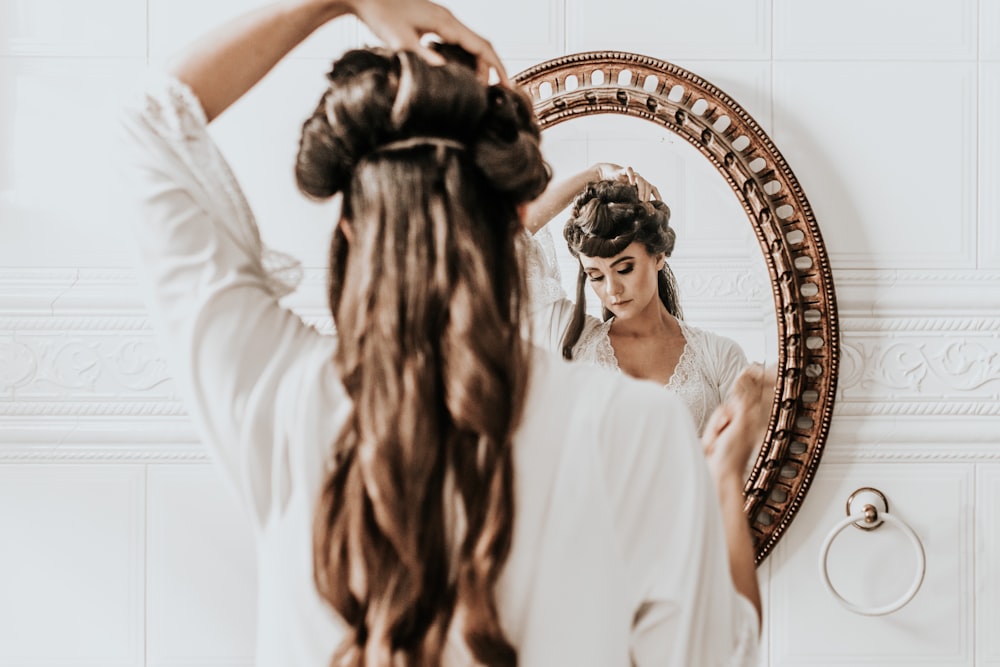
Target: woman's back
604 530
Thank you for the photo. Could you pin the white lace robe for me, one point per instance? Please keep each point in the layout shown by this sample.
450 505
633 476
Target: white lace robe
705 370
618 556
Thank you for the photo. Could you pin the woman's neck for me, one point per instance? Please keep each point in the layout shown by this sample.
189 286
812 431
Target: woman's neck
653 322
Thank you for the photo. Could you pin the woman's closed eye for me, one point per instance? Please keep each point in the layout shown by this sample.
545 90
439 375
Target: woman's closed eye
598 277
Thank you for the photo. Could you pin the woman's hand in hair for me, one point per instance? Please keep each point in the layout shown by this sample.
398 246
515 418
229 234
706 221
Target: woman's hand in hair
401 24
560 194
608 171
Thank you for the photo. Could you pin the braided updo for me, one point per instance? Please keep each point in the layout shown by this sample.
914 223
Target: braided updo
607 217
415 519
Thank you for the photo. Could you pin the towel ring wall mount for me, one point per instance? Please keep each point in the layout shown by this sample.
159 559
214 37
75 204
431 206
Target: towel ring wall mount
868 509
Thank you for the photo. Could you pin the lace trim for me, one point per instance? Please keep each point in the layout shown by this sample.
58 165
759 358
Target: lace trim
174 113
542 269
687 379
599 339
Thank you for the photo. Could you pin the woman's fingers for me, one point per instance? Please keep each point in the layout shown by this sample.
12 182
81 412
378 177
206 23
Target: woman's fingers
737 427
402 24
614 172
455 32
647 190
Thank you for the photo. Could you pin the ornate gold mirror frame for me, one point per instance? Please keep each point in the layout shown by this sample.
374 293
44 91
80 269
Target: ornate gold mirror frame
583 84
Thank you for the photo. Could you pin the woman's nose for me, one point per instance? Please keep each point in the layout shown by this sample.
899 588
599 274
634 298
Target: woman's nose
614 288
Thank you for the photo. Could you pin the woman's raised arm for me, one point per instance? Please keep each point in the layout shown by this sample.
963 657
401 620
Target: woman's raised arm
560 194
227 62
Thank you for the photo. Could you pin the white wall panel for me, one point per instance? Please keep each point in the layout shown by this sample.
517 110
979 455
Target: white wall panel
518 29
989 165
711 29
875 568
201 571
987 549
989 29
259 135
56 161
891 180
889 29
71 565
175 23
73 28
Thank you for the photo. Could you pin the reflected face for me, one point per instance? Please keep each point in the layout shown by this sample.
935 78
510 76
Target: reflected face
625 283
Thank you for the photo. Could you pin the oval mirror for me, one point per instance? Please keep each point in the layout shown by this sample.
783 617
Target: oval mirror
676 128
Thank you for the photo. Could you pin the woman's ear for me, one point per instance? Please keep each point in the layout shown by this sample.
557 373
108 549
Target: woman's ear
522 213
661 262
345 228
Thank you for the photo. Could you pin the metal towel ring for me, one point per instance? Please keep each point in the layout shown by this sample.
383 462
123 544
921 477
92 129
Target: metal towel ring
874 510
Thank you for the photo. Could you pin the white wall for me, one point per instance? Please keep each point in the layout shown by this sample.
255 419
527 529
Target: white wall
118 545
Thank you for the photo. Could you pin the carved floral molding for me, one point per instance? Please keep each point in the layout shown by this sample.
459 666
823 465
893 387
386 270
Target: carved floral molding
920 366
77 354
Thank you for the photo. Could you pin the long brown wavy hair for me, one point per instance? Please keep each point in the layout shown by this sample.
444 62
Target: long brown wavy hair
415 518
607 217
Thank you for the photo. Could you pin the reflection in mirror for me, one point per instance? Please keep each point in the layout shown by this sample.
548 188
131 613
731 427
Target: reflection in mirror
723 281
725 314
687 115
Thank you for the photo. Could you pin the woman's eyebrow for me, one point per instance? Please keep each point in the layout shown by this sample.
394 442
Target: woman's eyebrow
622 259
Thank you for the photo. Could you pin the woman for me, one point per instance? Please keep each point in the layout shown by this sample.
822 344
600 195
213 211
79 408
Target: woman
619 231
425 488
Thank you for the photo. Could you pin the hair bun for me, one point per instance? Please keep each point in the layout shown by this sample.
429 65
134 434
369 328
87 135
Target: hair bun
608 216
378 98
507 151
351 118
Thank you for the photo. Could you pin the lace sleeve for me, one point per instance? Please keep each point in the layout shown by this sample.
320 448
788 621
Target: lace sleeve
212 290
542 270
172 111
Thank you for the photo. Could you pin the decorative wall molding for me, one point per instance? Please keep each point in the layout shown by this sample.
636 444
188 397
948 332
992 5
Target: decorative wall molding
920 366
92 409
196 453
76 347
897 453
105 455
922 324
739 281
